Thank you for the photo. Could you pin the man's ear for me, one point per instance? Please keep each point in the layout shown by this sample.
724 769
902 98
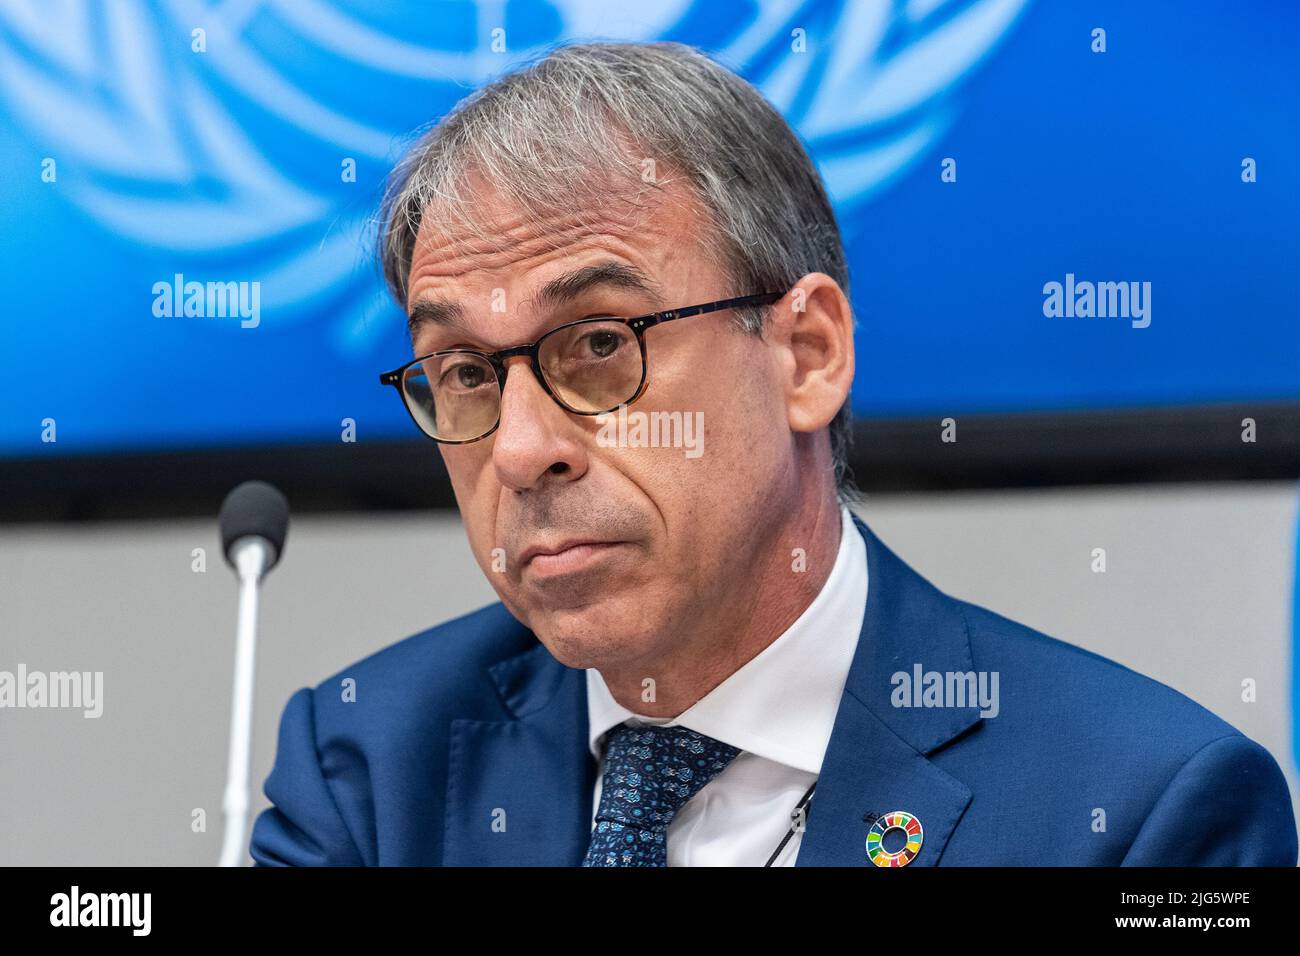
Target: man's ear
813 326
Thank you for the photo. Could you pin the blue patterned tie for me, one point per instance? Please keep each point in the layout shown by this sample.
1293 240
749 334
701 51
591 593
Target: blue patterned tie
650 773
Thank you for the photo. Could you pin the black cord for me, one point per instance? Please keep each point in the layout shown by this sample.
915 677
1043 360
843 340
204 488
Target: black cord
793 823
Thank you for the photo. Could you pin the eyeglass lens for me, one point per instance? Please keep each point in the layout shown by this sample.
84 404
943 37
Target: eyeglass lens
591 367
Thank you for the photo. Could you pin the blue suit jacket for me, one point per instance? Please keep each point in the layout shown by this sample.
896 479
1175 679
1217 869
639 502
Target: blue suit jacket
455 725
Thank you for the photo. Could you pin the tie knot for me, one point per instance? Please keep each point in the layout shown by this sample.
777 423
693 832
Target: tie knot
668 763
650 773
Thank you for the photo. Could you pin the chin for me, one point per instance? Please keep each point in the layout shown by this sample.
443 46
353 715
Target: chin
594 635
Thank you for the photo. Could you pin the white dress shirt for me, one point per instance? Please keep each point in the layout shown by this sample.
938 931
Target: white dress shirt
778 710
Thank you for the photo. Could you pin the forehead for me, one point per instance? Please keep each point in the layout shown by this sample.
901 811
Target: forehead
518 253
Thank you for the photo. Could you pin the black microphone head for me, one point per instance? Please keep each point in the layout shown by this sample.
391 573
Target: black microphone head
255 508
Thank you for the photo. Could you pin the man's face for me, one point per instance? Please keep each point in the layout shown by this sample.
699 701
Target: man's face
612 555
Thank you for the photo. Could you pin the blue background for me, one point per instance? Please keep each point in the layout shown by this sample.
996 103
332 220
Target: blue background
1115 166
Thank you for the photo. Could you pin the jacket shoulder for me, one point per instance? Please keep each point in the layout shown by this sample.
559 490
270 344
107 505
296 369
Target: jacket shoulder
1101 735
369 742
1045 677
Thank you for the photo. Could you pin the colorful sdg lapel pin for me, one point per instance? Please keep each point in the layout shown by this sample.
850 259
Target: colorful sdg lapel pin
902 821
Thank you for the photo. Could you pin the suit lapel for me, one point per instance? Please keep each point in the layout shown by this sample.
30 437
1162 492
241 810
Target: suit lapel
519 790
876 759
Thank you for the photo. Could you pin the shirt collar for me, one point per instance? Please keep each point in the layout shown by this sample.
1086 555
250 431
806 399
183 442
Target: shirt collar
781 705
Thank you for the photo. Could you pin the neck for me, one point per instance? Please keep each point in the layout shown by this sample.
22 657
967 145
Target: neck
779 586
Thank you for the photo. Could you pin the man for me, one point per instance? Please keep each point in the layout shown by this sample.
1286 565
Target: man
700 657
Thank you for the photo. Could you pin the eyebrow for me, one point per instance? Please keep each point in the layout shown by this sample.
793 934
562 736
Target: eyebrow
559 291
442 312
619 275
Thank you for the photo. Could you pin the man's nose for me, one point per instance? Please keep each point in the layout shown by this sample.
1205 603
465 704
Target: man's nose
536 440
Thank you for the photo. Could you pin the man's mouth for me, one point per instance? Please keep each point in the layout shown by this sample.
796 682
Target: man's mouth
565 557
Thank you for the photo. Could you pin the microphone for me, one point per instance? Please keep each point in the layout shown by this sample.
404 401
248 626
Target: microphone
254 522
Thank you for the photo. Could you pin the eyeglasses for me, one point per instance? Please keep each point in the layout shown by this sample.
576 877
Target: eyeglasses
589 367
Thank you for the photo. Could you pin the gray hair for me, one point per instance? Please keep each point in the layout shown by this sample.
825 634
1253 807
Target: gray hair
592 122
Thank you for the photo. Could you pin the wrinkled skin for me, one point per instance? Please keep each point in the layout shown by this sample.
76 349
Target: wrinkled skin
693 574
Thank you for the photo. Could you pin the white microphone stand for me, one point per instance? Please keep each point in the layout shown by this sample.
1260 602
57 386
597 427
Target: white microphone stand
251 557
